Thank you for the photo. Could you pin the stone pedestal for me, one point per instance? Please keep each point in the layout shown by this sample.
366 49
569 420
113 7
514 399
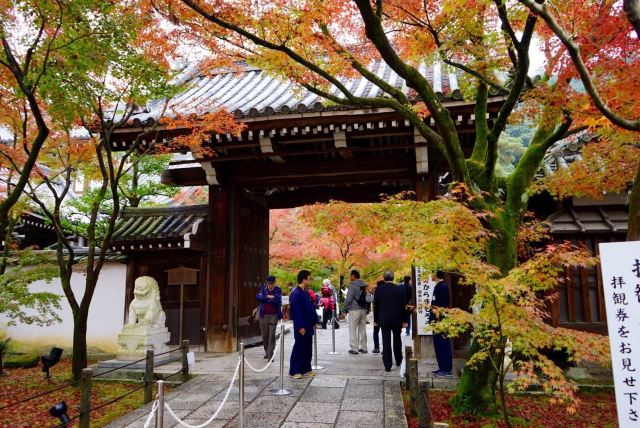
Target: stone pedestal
135 339
426 347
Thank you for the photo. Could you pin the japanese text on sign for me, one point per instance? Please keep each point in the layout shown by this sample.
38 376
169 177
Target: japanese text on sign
424 294
621 282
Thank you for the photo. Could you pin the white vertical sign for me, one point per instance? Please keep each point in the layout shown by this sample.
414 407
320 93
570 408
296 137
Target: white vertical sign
621 283
424 294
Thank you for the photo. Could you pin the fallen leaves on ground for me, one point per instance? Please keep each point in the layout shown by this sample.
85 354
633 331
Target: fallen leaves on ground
593 410
18 384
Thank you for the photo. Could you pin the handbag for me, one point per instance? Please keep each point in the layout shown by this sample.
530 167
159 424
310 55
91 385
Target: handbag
254 314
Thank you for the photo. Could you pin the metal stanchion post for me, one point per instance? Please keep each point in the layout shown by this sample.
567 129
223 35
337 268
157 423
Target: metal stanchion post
241 386
315 351
160 411
281 390
333 337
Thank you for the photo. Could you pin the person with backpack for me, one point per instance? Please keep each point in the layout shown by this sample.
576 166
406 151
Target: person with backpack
328 306
355 305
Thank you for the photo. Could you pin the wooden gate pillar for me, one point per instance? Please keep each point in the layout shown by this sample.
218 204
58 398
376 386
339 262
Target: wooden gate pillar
220 276
238 264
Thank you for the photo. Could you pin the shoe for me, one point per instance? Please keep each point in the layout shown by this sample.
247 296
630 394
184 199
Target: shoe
443 374
324 328
310 374
351 351
266 357
376 351
387 370
363 351
435 372
398 363
297 376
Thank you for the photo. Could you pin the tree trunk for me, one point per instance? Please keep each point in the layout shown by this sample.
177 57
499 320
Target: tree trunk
632 8
476 390
79 360
633 232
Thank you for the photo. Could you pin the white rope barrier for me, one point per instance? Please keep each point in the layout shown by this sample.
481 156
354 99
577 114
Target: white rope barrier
275 351
226 396
153 412
215 415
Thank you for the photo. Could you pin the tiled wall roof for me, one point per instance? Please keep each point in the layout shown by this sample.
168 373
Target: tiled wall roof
163 224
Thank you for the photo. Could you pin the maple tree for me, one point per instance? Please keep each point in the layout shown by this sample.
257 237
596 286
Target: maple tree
35 37
509 317
343 236
84 64
330 239
110 63
585 30
316 44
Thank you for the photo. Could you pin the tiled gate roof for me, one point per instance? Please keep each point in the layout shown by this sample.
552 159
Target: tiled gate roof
251 92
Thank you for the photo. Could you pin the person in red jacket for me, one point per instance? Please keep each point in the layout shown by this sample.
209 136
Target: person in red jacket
328 306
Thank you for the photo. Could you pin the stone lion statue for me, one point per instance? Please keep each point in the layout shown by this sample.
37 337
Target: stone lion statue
145 309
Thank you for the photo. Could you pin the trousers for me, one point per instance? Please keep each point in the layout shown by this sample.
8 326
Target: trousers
376 337
442 346
301 353
327 316
357 329
268 325
386 346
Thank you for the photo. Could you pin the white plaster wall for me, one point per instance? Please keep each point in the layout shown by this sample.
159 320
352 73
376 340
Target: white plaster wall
105 314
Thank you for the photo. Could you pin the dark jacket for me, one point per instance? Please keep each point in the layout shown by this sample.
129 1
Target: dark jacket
440 298
388 306
303 312
408 292
277 300
356 287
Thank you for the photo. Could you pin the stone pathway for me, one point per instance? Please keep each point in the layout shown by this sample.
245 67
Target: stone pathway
352 391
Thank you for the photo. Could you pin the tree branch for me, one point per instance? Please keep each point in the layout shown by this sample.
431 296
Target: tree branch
480 147
512 98
574 51
441 116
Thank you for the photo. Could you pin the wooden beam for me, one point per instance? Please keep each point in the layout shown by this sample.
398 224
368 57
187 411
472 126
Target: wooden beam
356 193
602 313
340 142
267 148
316 152
571 310
586 298
184 177
334 180
338 171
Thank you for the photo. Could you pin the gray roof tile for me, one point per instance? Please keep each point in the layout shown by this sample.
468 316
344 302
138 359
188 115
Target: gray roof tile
150 224
251 92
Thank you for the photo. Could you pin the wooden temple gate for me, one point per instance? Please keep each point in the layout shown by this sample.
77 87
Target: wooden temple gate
295 150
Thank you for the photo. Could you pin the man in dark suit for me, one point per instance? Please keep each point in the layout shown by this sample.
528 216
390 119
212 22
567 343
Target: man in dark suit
441 343
389 313
408 290
303 315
